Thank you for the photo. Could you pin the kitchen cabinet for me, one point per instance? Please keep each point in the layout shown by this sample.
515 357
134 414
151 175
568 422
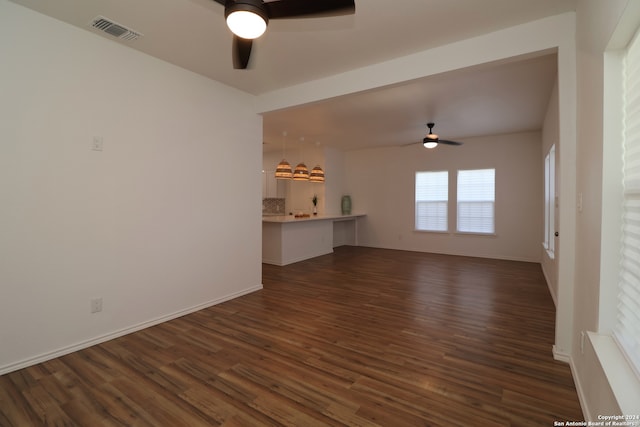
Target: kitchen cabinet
272 187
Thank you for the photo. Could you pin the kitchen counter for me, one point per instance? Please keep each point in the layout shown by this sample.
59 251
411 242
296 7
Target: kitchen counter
292 218
287 239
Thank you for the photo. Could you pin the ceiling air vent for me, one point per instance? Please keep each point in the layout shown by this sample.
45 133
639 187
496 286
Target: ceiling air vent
114 29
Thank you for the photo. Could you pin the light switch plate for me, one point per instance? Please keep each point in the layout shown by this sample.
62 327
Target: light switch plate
97 143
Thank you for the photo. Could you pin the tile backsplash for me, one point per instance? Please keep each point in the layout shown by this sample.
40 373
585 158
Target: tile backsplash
273 205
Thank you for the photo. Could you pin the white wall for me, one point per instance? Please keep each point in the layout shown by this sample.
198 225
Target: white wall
157 224
550 137
334 185
382 182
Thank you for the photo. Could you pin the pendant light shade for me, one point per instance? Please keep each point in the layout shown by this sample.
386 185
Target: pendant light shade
283 170
301 173
317 174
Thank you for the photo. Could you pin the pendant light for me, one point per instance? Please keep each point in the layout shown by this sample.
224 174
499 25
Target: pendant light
283 170
317 174
301 173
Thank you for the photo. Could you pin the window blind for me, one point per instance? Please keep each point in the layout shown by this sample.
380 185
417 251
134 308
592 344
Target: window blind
432 196
476 200
627 329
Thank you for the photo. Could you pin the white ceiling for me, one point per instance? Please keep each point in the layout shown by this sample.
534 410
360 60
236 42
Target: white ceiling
492 99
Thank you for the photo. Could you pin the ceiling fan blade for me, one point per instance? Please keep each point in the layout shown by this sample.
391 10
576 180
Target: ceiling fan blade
299 8
222 2
241 52
444 141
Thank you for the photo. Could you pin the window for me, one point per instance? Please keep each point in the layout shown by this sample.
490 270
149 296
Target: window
627 327
549 200
476 200
475 195
432 197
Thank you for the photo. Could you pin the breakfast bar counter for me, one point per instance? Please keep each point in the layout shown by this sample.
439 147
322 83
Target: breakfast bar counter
287 239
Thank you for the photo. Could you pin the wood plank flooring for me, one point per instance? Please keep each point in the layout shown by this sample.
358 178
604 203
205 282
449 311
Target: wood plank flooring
361 337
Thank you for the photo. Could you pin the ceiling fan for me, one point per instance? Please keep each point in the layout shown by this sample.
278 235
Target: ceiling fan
432 140
248 19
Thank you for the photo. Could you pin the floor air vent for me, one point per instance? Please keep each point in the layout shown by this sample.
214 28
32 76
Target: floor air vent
114 29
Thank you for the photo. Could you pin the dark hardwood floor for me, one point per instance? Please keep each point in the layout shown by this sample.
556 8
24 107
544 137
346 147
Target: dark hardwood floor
362 337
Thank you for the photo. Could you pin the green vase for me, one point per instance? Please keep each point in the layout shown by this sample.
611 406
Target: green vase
346 205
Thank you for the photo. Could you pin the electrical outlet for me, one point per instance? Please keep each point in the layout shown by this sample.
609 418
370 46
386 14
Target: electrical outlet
96 305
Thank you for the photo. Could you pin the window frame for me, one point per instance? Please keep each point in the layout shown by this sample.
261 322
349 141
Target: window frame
626 330
417 217
550 201
492 201
620 375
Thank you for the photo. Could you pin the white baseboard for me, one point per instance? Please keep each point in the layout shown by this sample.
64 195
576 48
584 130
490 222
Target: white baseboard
453 253
561 356
546 278
580 390
100 339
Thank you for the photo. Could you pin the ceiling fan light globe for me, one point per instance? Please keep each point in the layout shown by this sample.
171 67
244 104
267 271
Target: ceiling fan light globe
246 24
429 144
